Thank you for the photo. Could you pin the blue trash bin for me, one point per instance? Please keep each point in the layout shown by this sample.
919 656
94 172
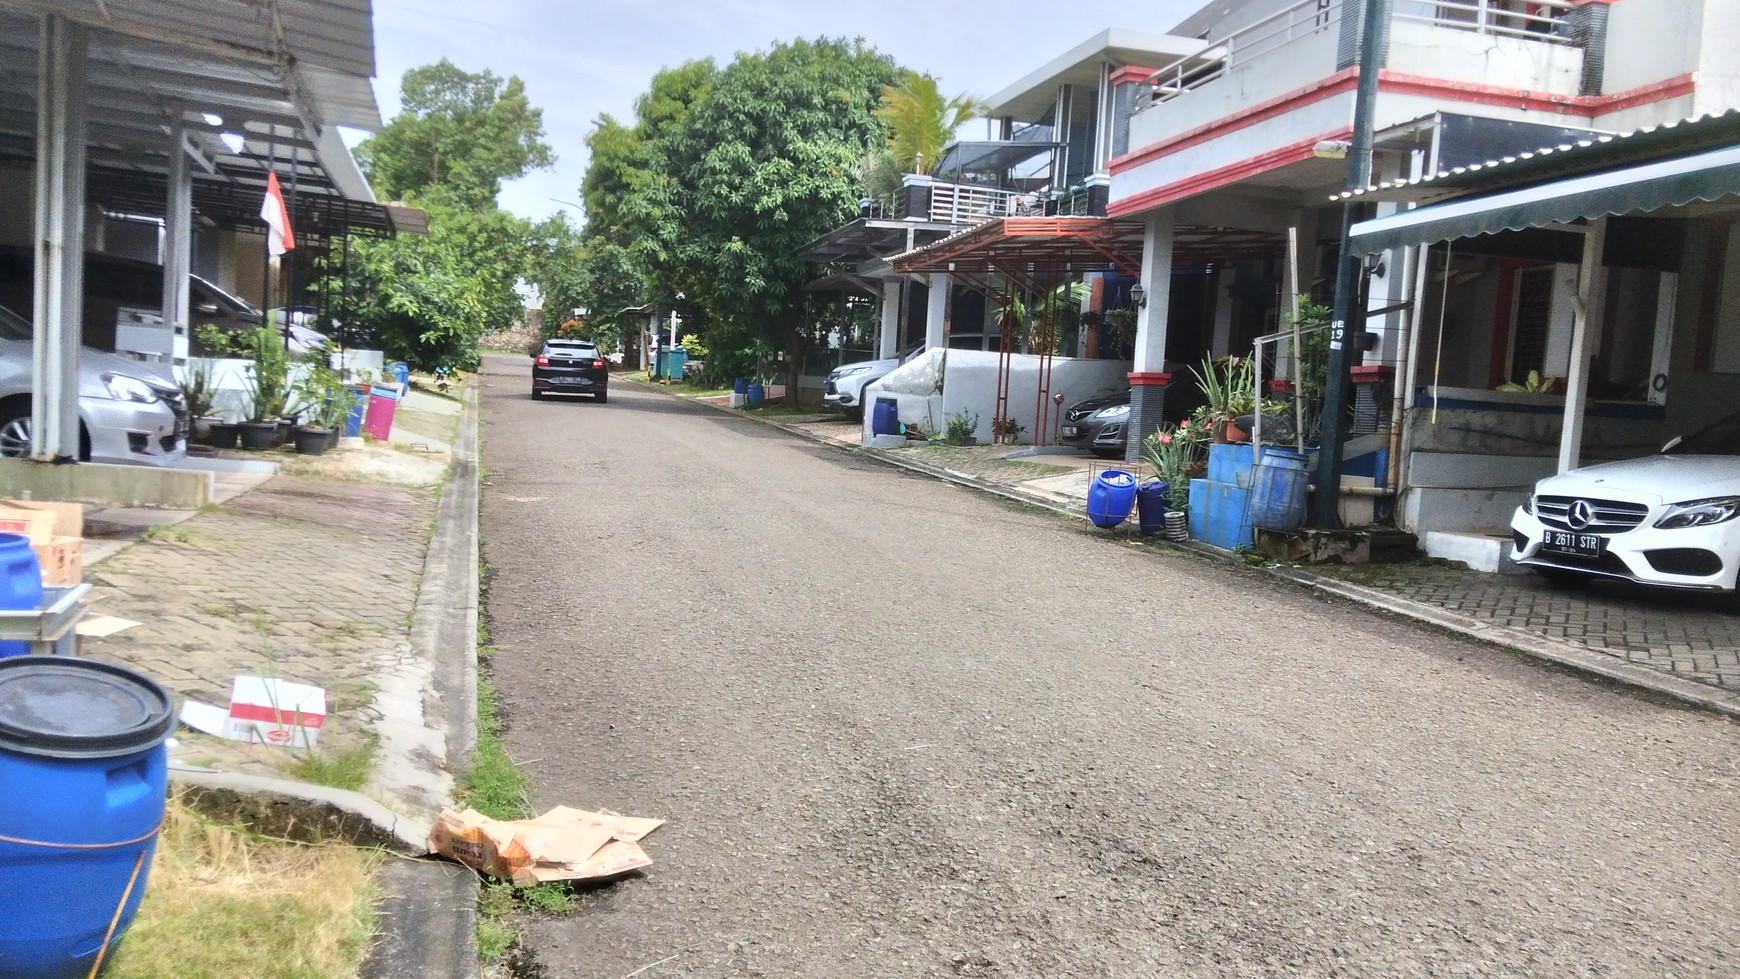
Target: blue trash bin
1151 506
402 372
1278 486
885 418
359 406
20 584
755 394
740 386
83 774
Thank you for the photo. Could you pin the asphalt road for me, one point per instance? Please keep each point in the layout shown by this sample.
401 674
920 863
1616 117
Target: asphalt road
903 729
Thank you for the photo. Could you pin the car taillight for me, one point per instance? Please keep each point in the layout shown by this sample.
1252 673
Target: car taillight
598 364
543 361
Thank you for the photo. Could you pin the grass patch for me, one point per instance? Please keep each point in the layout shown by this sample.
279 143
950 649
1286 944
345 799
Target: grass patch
223 903
348 769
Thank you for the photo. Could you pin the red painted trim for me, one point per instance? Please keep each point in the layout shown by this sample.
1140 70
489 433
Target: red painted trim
1370 374
1131 73
287 716
1342 81
1152 379
1209 180
1402 84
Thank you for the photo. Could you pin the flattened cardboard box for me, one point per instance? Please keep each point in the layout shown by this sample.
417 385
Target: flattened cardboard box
562 844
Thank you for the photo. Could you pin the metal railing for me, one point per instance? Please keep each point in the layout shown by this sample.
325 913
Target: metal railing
970 204
1535 20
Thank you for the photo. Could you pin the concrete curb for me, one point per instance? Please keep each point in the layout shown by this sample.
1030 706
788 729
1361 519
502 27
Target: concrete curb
1607 668
299 810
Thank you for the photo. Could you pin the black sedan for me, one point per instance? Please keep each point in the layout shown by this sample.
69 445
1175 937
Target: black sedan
1100 425
570 367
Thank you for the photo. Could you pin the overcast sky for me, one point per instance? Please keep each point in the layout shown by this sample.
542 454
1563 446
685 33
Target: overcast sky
581 59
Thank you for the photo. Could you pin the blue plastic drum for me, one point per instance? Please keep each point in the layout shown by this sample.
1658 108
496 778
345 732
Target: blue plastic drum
20 584
1111 497
83 775
885 419
1278 486
755 394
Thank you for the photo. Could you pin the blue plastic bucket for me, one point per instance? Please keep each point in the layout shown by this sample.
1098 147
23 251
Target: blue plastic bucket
20 584
83 774
740 386
885 419
1111 497
1151 506
755 393
1278 485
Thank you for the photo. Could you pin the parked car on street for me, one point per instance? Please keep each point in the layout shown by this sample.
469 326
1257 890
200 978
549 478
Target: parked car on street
1666 520
846 384
570 367
1100 425
128 412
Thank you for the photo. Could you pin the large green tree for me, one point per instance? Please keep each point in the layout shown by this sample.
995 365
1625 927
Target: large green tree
459 136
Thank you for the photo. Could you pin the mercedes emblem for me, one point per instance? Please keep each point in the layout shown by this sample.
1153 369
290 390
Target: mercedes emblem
1580 515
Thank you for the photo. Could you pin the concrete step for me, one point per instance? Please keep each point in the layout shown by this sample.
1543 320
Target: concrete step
1481 550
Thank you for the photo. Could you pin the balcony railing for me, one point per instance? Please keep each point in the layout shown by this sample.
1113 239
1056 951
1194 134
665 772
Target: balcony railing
1534 20
971 204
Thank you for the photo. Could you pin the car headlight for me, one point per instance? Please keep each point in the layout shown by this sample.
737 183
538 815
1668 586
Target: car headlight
1528 504
1699 513
1115 411
124 388
849 371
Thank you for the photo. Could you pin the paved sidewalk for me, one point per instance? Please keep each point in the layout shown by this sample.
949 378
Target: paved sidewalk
310 580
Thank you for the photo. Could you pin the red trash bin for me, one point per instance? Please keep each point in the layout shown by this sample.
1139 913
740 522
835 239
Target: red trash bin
378 422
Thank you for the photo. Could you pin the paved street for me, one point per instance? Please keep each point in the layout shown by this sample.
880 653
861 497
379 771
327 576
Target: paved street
903 729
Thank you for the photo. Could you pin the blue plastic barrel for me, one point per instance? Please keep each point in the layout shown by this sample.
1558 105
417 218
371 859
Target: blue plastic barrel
1151 506
401 371
885 419
359 406
20 584
83 775
1278 486
740 386
1111 497
755 393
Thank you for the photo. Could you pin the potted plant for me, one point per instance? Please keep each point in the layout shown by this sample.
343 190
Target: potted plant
1174 454
325 403
267 388
197 395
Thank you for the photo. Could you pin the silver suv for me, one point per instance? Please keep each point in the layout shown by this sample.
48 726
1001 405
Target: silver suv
128 412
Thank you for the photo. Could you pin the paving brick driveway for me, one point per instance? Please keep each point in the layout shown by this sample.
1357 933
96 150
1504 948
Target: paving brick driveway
1693 636
323 574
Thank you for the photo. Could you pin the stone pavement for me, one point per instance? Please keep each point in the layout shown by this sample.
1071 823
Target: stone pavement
310 580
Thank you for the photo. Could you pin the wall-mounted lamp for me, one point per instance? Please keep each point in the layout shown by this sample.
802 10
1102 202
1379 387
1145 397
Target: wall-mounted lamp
1331 149
1138 296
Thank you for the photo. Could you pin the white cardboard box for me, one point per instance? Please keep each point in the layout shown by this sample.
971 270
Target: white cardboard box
271 711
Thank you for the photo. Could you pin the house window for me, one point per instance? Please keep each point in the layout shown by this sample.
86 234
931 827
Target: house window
1531 321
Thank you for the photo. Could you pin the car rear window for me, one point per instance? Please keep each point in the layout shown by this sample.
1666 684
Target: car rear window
570 350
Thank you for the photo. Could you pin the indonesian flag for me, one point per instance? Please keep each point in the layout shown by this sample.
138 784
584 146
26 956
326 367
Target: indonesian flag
278 236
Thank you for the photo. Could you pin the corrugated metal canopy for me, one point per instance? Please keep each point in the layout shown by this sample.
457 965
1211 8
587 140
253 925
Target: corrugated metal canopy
1708 176
276 77
1079 244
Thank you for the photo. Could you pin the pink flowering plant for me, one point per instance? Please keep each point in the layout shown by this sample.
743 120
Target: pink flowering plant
1173 451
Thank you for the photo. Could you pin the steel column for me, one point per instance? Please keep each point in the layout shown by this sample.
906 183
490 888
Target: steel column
58 307
178 235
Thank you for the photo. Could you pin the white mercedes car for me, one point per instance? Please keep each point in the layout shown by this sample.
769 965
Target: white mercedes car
1666 520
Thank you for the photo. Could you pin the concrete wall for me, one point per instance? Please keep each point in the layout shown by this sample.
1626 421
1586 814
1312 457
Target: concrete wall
969 384
1652 40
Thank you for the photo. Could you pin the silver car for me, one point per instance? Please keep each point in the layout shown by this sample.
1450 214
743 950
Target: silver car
128 412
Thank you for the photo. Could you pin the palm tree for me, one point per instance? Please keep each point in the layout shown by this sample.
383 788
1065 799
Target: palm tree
921 122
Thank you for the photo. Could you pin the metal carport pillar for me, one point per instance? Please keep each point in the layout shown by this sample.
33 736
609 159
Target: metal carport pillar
178 234
58 308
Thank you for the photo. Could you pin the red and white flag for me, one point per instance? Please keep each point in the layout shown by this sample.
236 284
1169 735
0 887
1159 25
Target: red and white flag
278 236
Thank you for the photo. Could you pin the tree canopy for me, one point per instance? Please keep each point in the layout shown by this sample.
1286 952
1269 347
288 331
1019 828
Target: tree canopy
459 136
921 121
724 175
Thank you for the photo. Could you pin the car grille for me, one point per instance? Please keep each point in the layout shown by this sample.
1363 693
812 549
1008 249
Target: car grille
1605 516
1077 414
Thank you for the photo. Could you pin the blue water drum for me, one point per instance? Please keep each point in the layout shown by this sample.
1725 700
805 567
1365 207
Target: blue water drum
755 394
1278 486
20 584
1111 497
83 774
1151 506
885 419
740 386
